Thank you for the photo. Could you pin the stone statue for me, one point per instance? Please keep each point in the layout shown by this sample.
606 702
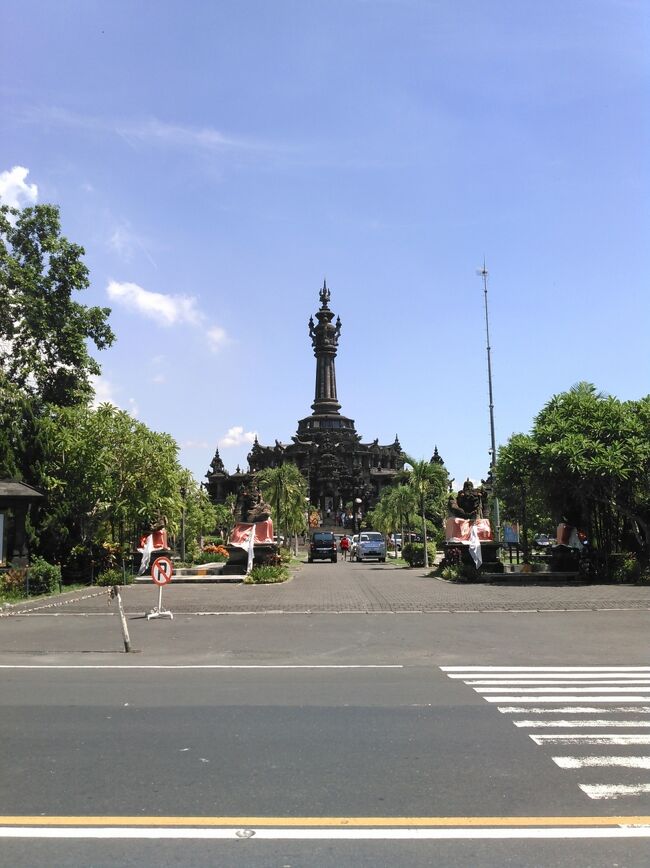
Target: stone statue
253 507
468 503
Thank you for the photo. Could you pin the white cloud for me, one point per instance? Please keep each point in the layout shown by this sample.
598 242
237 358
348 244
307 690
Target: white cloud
159 378
166 310
236 436
195 444
104 392
13 189
125 242
148 130
217 337
121 242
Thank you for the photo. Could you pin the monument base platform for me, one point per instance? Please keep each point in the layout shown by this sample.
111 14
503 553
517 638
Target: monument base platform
263 554
489 555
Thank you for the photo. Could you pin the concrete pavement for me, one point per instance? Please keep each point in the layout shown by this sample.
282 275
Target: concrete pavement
351 587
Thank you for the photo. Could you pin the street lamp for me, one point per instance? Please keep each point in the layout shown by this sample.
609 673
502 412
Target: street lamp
483 272
183 495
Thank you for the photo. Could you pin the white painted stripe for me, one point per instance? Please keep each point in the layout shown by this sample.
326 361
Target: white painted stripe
575 709
595 738
470 669
613 791
538 682
532 724
559 689
291 833
557 699
205 666
581 762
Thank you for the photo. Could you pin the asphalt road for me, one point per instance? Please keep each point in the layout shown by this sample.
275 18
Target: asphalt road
330 739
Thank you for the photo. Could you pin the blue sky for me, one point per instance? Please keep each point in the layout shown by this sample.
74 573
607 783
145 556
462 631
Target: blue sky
218 159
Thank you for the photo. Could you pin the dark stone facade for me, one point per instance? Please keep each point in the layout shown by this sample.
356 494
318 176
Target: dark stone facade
339 469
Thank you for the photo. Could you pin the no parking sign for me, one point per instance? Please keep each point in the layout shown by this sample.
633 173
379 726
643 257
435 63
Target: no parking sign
162 571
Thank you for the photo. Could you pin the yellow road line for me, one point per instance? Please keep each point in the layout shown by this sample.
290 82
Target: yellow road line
323 822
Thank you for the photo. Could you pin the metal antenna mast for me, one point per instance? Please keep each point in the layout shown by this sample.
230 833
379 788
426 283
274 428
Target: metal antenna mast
483 272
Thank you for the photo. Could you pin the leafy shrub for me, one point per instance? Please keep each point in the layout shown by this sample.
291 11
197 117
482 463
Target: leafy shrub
210 558
212 540
112 577
12 583
413 553
451 574
624 567
265 575
44 578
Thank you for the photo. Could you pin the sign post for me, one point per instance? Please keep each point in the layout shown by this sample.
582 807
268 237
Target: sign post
162 571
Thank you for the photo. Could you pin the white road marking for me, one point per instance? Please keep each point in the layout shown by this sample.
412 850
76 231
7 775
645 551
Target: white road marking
557 699
581 762
575 709
575 690
357 834
533 724
204 666
595 738
469 669
613 791
538 682
524 690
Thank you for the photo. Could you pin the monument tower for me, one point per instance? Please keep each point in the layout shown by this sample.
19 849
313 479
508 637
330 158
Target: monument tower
325 342
338 468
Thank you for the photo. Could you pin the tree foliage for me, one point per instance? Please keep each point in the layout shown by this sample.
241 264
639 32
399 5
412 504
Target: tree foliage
43 329
429 482
105 475
586 460
285 489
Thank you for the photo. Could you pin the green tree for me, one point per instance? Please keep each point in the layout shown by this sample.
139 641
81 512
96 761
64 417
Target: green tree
586 459
224 520
285 489
200 514
106 476
428 481
395 510
43 330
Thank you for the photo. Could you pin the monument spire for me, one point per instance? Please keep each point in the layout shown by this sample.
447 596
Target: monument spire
325 339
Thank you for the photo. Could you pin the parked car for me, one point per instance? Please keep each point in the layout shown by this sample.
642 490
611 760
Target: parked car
371 545
322 546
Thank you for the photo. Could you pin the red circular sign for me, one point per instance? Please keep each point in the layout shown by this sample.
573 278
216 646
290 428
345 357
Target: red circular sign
162 571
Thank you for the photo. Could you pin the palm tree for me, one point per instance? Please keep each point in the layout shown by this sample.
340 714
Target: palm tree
405 504
284 488
425 479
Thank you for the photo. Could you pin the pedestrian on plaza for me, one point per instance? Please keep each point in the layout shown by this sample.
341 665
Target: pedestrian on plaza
345 546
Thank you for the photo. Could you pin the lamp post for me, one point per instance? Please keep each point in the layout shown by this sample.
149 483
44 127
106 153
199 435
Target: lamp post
483 272
183 495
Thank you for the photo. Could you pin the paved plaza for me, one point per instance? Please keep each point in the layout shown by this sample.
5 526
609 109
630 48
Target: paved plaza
351 587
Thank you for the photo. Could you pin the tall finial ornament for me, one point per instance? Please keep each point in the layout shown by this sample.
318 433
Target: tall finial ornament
324 295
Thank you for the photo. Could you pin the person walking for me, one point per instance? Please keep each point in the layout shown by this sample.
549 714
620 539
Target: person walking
345 546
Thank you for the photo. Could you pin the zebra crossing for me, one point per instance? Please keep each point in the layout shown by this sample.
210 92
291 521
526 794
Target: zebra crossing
609 705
